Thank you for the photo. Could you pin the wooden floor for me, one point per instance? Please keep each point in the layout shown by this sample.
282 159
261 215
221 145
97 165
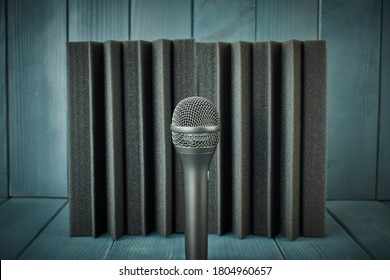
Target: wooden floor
37 228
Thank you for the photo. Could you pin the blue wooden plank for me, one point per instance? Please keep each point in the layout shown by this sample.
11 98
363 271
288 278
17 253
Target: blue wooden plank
336 245
368 222
98 20
150 247
21 220
384 124
282 20
156 19
3 104
55 243
352 32
387 203
37 97
223 20
3 199
230 247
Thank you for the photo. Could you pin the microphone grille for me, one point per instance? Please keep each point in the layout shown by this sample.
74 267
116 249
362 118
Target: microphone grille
195 111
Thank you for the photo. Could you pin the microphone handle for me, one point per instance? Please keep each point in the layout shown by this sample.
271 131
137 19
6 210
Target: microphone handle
196 163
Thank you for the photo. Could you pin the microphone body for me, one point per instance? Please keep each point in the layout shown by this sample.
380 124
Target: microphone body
196 164
195 134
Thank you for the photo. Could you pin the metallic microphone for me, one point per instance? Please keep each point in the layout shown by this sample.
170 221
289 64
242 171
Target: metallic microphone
195 134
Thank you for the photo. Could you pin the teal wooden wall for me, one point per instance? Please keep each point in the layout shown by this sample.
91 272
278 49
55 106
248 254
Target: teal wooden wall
3 105
33 146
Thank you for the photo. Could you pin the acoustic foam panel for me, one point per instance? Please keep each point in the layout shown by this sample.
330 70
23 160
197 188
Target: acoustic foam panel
256 88
266 138
162 108
241 90
313 139
114 138
213 83
290 138
138 138
184 85
86 170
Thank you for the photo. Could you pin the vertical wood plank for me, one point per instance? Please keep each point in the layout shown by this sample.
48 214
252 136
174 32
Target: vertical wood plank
3 104
282 20
241 96
212 82
162 108
98 20
384 123
37 97
290 164
352 32
156 19
266 138
223 20
138 136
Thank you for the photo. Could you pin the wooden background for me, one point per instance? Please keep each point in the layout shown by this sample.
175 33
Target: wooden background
33 99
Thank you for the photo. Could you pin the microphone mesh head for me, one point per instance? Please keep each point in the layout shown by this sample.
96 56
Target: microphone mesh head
195 111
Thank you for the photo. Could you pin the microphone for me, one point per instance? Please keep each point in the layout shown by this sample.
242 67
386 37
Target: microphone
195 134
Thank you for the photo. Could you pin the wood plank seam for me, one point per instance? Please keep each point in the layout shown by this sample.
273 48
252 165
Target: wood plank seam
384 182
109 251
6 97
386 202
318 19
280 249
192 18
41 230
378 137
255 28
334 216
5 199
